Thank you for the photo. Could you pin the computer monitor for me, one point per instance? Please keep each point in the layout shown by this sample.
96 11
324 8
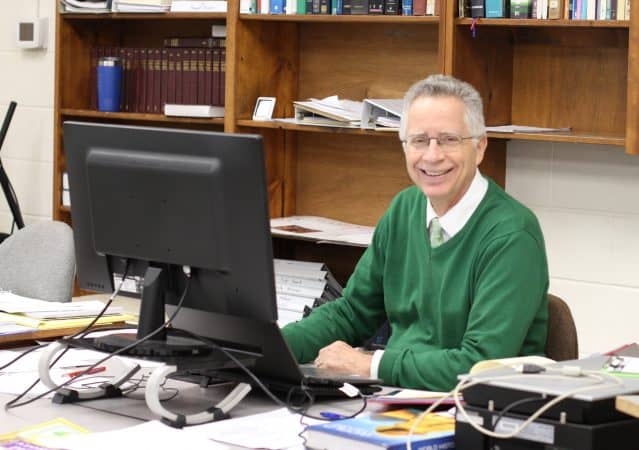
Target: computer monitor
162 199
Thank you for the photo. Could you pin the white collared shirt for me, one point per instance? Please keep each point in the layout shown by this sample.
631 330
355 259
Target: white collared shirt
457 216
451 222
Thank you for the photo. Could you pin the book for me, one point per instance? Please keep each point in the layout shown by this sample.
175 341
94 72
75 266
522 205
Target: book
497 8
520 9
193 110
477 8
419 7
387 430
407 7
412 397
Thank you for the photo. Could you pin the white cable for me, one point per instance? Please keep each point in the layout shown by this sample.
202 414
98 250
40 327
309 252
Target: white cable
151 394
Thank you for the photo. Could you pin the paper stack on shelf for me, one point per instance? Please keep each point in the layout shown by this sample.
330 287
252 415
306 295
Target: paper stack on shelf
199 6
141 6
301 286
381 113
322 230
85 6
206 111
329 111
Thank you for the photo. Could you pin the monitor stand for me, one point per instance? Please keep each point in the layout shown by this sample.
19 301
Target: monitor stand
152 316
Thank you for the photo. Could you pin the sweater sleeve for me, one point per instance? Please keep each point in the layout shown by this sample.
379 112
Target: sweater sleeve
352 318
508 297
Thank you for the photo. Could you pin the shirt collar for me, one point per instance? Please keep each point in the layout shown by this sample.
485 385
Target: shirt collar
457 216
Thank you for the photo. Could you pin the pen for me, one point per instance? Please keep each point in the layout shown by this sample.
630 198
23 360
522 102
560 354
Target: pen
331 415
86 372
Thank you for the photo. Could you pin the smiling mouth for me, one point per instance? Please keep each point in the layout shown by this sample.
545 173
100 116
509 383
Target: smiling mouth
432 173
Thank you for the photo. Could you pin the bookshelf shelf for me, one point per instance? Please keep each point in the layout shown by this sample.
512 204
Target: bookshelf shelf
338 19
314 128
575 137
545 23
143 16
136 117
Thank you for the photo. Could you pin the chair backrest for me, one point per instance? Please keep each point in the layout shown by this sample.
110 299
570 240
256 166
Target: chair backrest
38 261
561 342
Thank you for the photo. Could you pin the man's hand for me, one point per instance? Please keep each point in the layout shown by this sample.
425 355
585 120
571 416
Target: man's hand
342 357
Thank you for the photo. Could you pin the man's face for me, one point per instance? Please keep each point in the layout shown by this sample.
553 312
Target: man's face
442 172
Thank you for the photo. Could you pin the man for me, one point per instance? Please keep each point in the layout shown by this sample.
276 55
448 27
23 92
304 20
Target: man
456 265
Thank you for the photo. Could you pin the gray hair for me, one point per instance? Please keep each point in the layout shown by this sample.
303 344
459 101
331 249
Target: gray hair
447 86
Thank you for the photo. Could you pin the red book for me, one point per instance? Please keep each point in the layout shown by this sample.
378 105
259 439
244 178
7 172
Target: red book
170 84
156 101
141 84
164 79
192 78
222 74
208 75
419 7
201 77
149 80
215 77
179 83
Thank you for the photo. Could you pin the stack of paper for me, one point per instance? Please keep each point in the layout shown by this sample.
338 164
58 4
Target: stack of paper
85 6
32 313
141 6
322 230
198 6
301 286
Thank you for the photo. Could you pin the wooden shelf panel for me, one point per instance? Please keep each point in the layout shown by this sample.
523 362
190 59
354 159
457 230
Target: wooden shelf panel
137 117
143 16
339 18
546 23
313 128
573 137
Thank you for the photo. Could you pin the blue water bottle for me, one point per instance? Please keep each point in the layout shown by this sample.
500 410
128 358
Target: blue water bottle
109 83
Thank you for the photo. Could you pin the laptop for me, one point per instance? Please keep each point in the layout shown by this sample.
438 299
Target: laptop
277 367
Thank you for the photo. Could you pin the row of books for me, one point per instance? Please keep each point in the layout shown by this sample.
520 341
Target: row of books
179 73
546 9
342 7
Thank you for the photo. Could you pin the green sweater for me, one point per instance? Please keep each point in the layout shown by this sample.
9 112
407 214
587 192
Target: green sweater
480 295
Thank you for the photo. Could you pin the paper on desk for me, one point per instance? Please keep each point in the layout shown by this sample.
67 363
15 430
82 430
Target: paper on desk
153 435
17 304
272 430
322 230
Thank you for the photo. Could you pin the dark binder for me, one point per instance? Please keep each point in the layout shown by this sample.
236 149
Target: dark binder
375 7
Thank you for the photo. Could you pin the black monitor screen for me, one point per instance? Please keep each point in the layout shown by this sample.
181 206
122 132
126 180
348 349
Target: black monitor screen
167 198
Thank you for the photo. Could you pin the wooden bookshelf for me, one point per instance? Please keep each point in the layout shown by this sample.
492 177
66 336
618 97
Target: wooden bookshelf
549 73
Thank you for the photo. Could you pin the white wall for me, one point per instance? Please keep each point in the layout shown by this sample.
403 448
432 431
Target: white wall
586 196
587 200
26 76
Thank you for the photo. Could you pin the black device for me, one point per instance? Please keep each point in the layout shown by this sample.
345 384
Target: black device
586 420
167 198
7 188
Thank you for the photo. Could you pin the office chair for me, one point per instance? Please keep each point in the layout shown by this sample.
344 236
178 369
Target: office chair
561 342
38 261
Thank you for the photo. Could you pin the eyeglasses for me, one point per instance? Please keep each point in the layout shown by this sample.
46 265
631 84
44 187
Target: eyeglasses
447 142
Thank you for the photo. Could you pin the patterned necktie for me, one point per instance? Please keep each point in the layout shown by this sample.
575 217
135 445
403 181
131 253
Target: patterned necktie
436 233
